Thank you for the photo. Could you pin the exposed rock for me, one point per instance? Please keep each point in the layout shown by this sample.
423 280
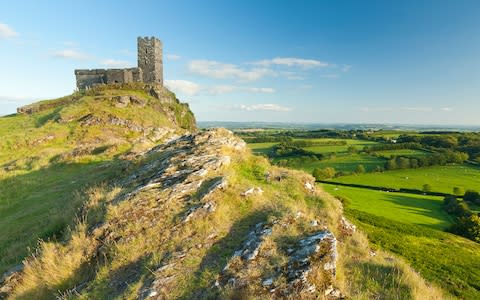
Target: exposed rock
347 227
121 101
9 280
319 247
251 191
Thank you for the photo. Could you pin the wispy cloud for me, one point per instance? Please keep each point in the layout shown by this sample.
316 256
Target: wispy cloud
222 89
173 56
376 109
7 31
292 62
13 99
218 70
346 68
404 109
183 86
262 107
417 109
331 76
70 54
446 109
116 63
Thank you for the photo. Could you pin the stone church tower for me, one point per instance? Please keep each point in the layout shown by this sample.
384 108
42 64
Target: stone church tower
150 59
149 69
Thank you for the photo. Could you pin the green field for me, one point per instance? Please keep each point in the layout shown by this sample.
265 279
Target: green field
450 261
441 178
406 208
359 144
341 162
402 152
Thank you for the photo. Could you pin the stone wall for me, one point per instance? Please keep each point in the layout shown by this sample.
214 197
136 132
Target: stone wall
90 78
149 70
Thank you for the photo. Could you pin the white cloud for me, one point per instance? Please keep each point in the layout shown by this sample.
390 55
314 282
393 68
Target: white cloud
13 99
292 62
116 63
346 68
376 109
220 70
173 57
262 107
70 54
7 31
446 109
417 109
222 89
183 86
331 76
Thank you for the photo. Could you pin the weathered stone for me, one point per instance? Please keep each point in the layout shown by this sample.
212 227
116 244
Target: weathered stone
149 70
121 101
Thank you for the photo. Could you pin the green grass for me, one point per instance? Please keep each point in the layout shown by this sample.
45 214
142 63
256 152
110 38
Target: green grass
402 152
266 147
441 178
341 162
450 261
40 204
40 172
407 208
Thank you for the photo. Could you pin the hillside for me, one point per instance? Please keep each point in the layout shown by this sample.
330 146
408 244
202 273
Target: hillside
131 201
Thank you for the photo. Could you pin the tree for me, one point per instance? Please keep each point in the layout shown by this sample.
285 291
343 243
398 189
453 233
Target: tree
427 188
390 164
322 174
472 196
468 227
360 169
352 149
458 191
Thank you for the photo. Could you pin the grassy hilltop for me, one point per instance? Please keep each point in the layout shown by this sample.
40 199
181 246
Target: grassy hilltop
103 196
49 156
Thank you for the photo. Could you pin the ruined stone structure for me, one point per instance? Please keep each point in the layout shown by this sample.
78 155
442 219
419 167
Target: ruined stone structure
149 70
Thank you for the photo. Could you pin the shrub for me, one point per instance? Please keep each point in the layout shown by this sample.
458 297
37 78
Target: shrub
360 169
472 196
427 188
322 174
458 191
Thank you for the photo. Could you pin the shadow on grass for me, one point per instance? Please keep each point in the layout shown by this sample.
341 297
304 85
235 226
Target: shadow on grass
425 207
217 256
54 115
42 203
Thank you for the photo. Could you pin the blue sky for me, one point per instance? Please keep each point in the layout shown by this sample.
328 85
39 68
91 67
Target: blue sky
410 62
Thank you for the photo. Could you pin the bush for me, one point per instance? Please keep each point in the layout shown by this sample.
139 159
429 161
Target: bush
458 191
427 188
472 196
360 169
468 227
322 174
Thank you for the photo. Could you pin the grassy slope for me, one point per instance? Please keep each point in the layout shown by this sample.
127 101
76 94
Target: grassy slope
40 179
441 178
359 275
450 261
407 208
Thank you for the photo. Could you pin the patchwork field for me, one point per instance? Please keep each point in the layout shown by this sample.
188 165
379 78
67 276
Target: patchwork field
402 152
406 208
341 162
440 178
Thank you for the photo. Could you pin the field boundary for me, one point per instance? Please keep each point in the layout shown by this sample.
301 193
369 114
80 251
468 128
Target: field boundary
392 190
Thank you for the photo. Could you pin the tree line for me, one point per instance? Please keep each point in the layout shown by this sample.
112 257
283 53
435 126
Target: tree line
466 223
